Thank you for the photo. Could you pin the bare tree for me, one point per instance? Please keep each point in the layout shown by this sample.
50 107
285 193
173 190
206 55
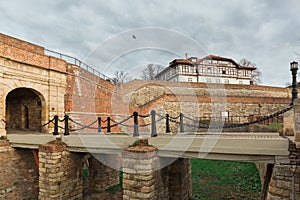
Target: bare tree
256 74
120 77
288 84
150 71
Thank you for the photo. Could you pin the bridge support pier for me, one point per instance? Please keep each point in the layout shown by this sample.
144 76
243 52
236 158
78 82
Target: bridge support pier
297 120
141 177
282 185
144 178
60 173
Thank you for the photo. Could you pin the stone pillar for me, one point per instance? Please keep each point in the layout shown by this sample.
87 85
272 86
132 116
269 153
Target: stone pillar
288 123
297 120
101 177
60 173
180 179
142 178
281 186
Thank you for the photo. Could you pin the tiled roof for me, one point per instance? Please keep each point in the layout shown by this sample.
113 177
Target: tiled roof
214 57
180 61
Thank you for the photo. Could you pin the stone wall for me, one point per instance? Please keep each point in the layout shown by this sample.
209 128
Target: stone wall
180 179
198 100
18 173
281 186
101 177
237 99
288 123
60 173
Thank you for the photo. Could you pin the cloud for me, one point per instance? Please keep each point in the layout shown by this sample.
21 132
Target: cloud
265 32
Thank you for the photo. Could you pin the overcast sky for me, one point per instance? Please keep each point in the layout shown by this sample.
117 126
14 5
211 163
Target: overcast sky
265 32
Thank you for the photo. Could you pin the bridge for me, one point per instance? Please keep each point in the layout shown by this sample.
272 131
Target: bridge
266 147
214 143
53 127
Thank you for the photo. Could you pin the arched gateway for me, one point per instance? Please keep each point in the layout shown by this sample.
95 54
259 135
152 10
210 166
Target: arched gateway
25 109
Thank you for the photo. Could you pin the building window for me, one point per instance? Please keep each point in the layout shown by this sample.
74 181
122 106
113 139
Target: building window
241 82
232 72
185 69
208 80
209 70
226 81
223 71
218 81
193 69
190 80
245 73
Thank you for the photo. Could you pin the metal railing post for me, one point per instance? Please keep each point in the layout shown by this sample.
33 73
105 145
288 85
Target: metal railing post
67 125
153 124
167 124
181 123
135 124
55 125
99 124
108 125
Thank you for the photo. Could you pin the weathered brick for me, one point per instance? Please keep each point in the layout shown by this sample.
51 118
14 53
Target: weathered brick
18 169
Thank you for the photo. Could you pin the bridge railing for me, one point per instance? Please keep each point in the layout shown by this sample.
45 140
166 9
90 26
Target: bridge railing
136 121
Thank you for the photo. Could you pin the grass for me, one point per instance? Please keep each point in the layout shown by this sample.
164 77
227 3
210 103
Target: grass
141 142
3 138
56 142
214 180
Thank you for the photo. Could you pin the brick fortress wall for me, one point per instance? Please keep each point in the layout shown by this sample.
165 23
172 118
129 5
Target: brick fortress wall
200 100
85 93
18 173
193 99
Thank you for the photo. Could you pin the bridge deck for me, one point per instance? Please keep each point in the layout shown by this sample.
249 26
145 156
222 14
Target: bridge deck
268 147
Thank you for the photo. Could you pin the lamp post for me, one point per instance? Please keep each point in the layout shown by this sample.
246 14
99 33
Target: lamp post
294 69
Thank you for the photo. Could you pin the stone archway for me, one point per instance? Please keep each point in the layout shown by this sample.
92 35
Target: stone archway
25 109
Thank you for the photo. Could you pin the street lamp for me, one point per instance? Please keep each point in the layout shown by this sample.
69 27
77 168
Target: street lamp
294 69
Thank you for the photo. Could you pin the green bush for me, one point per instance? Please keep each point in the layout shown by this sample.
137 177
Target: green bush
276 126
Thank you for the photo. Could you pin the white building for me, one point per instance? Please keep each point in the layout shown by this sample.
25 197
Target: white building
210 69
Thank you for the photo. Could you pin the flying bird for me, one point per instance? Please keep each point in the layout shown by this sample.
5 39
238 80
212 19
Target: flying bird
133 36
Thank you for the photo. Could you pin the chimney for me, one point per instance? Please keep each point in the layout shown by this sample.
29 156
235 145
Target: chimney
186 55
